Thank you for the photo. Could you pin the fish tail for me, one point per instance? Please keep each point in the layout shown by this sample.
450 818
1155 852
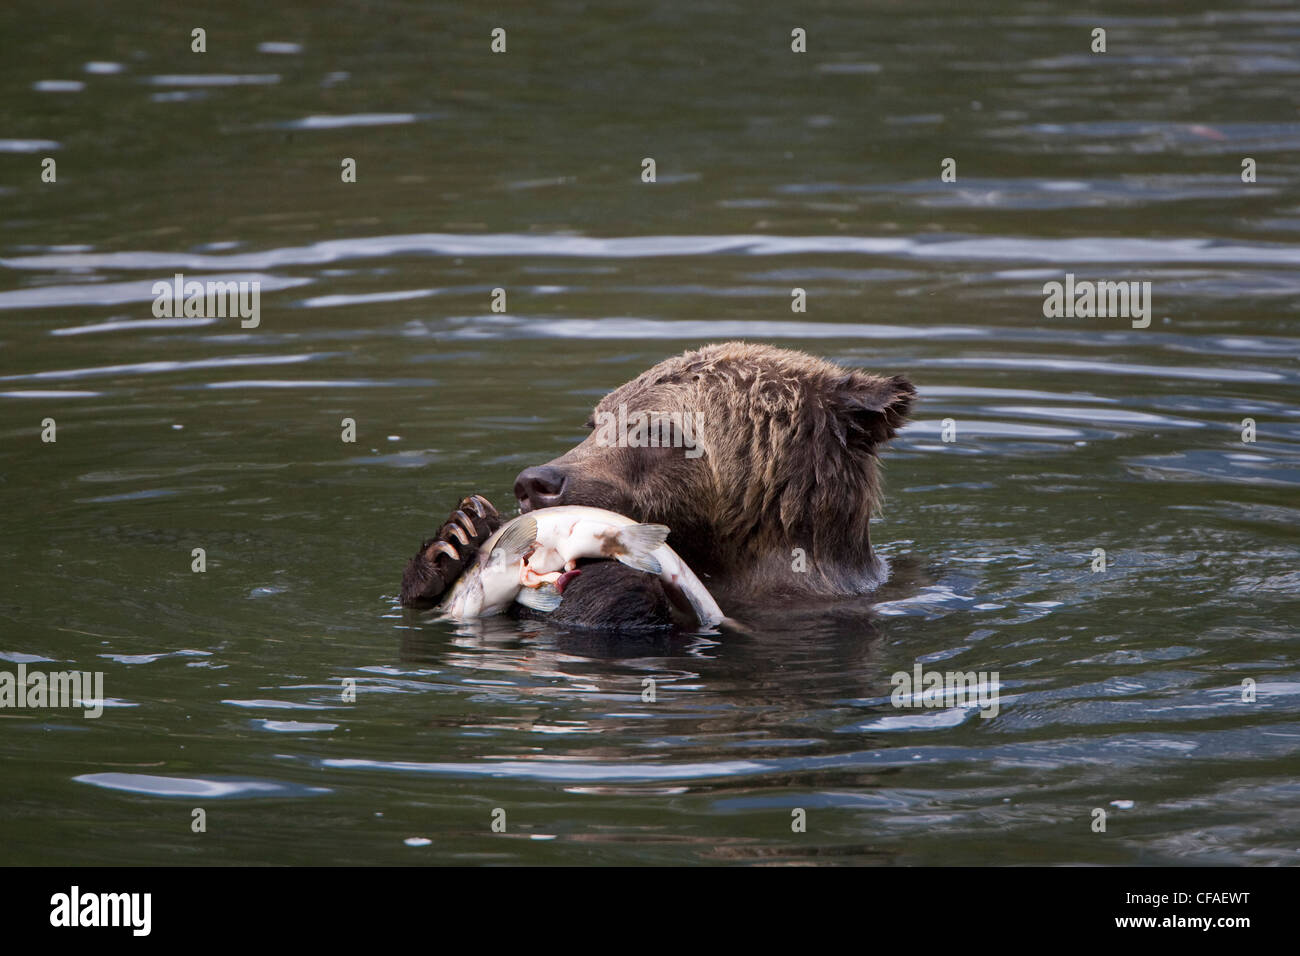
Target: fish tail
639 542
729 625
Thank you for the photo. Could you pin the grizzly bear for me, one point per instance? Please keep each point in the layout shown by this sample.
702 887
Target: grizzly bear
762 462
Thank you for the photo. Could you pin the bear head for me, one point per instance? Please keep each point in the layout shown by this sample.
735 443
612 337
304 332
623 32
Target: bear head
748 453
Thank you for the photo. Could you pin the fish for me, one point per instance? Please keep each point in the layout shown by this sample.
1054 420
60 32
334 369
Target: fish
526 558
531 558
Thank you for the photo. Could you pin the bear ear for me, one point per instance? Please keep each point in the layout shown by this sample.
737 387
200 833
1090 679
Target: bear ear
871 409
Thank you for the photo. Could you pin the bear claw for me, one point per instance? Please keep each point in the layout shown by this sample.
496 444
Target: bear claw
465 520
482 507
440 560
442 547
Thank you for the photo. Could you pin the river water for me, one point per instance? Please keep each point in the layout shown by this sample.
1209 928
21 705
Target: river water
1121 690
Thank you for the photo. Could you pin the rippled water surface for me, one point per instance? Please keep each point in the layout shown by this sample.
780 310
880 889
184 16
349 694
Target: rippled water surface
1121 689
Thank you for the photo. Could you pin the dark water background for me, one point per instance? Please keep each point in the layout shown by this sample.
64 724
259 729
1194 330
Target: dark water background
775 170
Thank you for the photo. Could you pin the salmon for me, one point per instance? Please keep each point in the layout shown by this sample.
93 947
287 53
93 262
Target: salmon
531 559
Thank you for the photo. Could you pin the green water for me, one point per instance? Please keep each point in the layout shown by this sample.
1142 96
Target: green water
775 170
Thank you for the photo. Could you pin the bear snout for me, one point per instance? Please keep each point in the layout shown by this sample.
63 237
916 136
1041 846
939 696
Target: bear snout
541 486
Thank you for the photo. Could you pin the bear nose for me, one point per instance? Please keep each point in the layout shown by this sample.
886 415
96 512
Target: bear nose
541 486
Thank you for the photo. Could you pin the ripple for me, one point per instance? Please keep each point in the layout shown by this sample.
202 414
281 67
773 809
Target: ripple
976 193
211 788
1203 373
309 383
214 79
477 327
265 704
148 494
1217 466
560 771
1134 750
853 68
974 427
149 368
367 298
1072 251
134 325
295 726
58 86
344 122
151 658
920 721
28 145
18 657
116 293
1110 416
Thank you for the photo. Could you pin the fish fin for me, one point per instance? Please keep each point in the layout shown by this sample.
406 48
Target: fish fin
639 542
544 598
516 539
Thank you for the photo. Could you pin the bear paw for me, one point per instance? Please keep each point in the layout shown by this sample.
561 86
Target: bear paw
440 560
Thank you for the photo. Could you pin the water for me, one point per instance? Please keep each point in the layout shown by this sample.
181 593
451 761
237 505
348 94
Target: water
1121 689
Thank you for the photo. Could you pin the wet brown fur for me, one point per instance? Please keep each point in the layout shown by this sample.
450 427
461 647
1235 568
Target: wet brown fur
790 444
